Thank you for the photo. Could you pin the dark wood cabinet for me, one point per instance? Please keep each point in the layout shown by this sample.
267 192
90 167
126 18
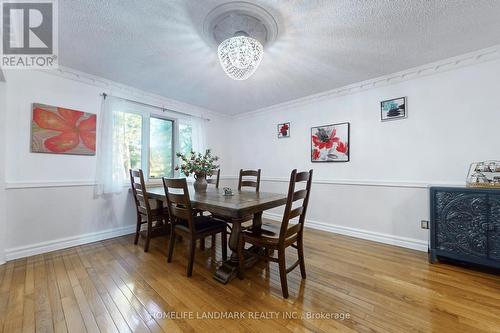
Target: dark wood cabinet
494 232
465 225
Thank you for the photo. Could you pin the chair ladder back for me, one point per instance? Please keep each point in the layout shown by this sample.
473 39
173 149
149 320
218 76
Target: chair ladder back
300 211
245 182
215 180
179 204
307 177
139 190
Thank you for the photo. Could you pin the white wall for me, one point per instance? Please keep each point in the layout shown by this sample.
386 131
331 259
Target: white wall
2 172
50 197
381 194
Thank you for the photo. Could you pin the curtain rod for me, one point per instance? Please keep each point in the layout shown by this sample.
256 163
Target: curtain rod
104 95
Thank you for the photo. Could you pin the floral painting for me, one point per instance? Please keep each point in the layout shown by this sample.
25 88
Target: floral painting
284 130
62 131
393 109
330 143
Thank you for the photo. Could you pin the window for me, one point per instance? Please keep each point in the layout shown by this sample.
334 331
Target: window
161 143
127 130
149 142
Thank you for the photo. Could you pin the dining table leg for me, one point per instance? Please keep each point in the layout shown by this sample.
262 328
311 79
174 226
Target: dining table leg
234 239
257 220
229 268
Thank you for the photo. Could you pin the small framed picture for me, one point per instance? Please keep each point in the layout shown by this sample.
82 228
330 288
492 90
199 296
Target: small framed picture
283 130
330 143
393 109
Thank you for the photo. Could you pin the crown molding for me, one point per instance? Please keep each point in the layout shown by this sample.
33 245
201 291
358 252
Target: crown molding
114 88
464 60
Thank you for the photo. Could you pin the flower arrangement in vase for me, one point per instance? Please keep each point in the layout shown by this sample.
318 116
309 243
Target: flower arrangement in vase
200 165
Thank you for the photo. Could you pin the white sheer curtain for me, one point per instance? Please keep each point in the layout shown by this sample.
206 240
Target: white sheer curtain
110 173
199 134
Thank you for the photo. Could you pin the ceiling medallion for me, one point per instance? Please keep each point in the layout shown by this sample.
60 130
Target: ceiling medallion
240 30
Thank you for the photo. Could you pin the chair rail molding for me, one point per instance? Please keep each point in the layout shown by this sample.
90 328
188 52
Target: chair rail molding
362 182
13 185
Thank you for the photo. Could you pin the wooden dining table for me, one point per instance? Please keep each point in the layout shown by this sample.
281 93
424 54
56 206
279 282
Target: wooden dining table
242 206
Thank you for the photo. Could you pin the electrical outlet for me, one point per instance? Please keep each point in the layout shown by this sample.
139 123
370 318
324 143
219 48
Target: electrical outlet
424 224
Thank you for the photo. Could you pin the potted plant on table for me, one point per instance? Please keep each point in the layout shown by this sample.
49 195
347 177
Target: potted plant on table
200 165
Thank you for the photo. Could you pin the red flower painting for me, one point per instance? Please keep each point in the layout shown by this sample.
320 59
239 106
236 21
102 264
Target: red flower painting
63 131
322 139
284 130
330 143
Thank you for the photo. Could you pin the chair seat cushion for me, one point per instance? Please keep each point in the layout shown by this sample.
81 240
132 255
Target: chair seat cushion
269 232
203 224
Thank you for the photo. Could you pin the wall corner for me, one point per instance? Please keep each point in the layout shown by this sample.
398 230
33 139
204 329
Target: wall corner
3 206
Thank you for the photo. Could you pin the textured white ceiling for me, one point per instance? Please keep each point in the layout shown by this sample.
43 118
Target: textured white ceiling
157 45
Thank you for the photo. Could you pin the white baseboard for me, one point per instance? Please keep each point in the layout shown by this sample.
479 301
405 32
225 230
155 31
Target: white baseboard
63 243
410 243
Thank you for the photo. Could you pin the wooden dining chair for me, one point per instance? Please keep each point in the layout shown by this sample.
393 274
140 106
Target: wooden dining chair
249 178
186 222
274 237
143 208
214 180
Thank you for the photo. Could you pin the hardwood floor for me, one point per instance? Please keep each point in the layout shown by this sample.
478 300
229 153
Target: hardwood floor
113 286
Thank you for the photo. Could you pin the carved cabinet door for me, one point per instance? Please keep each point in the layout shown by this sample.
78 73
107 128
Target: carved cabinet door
494 227
462 223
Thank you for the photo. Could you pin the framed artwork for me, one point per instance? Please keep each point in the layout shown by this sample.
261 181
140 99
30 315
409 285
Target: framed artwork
330 143
57 130
393 109
283 130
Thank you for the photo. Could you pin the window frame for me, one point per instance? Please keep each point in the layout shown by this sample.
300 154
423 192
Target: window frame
141 114
175 134
145 139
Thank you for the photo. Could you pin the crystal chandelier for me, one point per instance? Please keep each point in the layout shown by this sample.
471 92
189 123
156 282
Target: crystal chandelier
240 56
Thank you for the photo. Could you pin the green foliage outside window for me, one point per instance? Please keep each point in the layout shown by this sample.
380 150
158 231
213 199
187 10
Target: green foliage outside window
160 148
127 131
